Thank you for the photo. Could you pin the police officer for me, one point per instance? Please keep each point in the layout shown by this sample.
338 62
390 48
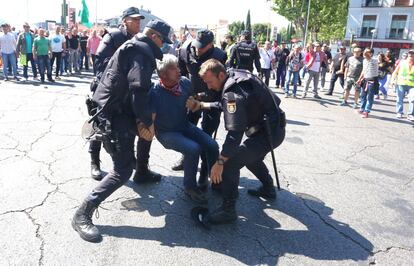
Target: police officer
110 43
122 99
192 54
249 108
245 53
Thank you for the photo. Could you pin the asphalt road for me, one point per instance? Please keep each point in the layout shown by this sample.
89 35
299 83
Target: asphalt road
346 199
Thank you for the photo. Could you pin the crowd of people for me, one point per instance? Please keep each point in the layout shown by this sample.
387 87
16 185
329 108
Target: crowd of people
66 51
197 81
367 74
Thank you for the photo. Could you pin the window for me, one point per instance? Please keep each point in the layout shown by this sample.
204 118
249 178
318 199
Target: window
397 26
372 3
402 3
368 24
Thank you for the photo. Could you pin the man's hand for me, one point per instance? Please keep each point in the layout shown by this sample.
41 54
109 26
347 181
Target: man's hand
144 132
192 104
216 172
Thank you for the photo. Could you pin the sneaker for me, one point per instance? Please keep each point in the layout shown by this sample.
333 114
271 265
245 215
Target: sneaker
287 95
343 103
399 116
364 115
303 96
35 79
385 96
294 96
360 111
16 78
328 93
376 97
57 78
316 96
410 117
51 80
196 195
355 106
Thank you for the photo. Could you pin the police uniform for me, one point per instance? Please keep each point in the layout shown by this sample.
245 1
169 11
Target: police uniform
122 100
246 101
190 64
244 54
108 46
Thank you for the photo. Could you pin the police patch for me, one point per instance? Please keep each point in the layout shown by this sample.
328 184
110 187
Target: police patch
231 107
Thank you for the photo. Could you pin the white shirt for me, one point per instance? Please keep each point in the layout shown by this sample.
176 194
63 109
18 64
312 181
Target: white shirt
316 66
266 57
7 43
56 42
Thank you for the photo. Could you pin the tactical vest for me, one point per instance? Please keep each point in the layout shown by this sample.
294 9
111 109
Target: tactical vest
405 74
245 53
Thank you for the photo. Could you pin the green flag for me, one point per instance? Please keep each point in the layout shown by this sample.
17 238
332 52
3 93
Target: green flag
84 15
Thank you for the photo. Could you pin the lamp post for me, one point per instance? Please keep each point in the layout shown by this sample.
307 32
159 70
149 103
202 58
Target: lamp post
307 22
374 31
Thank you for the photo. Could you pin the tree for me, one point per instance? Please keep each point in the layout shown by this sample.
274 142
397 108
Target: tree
327 18
260 32
248 24
236 28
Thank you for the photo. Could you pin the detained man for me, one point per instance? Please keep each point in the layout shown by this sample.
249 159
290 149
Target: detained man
172 127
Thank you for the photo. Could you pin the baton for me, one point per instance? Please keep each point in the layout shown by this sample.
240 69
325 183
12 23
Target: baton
269 138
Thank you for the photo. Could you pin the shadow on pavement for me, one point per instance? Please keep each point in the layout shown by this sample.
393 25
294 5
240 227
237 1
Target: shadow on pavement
304 226
298 123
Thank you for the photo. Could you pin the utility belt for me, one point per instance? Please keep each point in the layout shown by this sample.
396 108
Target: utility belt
266 124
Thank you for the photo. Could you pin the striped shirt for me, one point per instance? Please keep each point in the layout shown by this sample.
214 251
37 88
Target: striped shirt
370 68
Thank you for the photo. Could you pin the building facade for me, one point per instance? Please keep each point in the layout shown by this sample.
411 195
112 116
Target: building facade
382 24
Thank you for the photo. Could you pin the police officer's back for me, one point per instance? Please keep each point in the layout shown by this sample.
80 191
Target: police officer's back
245 53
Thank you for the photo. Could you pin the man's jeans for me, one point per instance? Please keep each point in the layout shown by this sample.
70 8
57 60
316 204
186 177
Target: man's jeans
9 59
367 96
29 58
295 76
44 65
58 56
403 90
65 63
382 81
266 75
322 76
281 74
312 75
73 60
191 142
84 58
334 77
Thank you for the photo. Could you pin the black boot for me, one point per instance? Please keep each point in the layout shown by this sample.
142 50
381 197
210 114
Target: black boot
224 214
144 175
96 172
82 222
267 192
179 166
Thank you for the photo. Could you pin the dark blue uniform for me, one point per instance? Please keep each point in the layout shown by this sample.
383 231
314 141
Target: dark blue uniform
123 95
110 43
108 46
190 64
246 101
243 55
